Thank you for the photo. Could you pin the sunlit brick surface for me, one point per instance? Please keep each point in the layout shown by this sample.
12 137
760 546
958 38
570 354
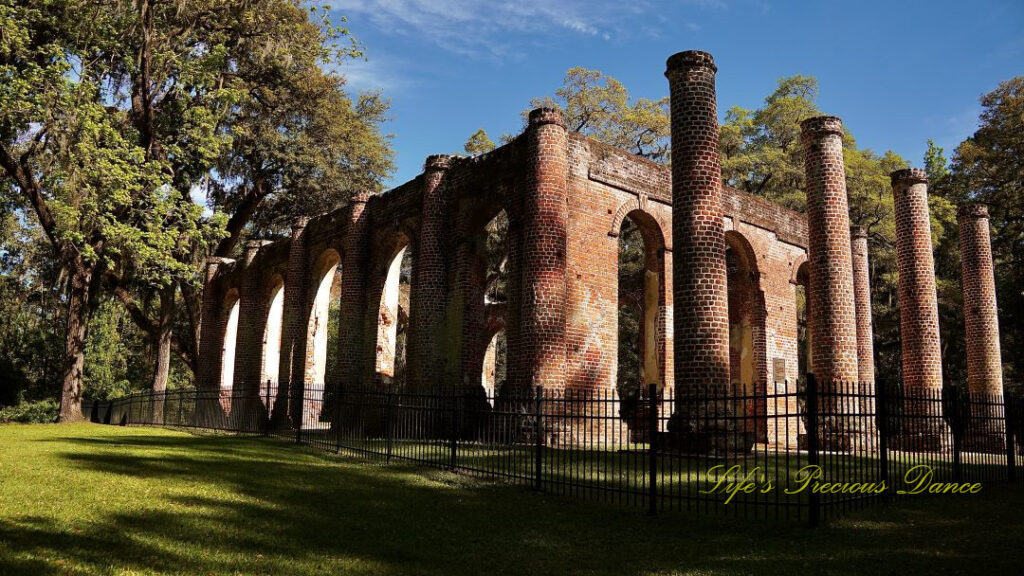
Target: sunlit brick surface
833 314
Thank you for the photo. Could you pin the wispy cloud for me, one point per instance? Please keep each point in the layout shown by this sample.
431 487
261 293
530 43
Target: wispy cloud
489 29
377 72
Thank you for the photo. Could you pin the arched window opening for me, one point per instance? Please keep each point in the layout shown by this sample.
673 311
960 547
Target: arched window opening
272 344
227 367
495 255
393 319
494 366
747 356
803 320
328 292
641 313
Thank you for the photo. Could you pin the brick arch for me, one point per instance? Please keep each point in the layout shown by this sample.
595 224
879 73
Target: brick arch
230 307
324 288
382 299
748 354
639 206
273 329
653 310
801 277
795 271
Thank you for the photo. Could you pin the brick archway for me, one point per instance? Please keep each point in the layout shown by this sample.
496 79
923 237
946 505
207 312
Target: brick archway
273 328
647 293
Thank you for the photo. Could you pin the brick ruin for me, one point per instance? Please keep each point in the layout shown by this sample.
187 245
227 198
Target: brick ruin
733 262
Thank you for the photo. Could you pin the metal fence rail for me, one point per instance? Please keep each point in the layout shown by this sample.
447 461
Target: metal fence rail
740 453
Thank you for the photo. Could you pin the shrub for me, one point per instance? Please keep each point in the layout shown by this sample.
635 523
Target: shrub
42 412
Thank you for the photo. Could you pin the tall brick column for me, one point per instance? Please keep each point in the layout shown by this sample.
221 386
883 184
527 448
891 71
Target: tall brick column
833 317
428 291
921 353
292 371
833 305
538 354
984 363
252 312
865 330
211 329
701 319
211 343
352 352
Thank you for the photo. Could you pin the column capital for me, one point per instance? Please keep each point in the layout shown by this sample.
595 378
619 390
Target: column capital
908 177
858 232
688 60
976 210
541 116
821 126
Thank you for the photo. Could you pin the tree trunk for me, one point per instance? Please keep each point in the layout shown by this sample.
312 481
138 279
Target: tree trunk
163 351
74 342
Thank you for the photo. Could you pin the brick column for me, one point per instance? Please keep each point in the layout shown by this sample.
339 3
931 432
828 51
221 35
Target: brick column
701 318
252 319
984 363
865 330
833 316
352 345
921 354
211 329
829 261
539 357
211 345
292 371
428 291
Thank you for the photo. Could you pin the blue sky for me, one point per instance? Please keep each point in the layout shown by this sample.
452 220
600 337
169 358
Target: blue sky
898 73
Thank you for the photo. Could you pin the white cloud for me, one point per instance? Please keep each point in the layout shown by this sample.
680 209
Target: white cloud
376 72
481 29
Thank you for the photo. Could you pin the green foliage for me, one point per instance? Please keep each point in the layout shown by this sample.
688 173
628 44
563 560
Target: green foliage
989 167
113 114
478 143
599 106
115 355
935 163
26 412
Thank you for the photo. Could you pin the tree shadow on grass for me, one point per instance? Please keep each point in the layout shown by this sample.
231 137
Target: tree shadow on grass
235 505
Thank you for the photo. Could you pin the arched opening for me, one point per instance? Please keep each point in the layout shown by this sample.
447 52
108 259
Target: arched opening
493 375
328 294
745 311
393 318
641 311
272 343
495 301
319 361
227 363
747 354
803 320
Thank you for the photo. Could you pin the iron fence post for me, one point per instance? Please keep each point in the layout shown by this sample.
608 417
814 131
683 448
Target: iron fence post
812 444
1009 423
960 403
652 448
266 421
454 431
301 415
389 398
882 418
538 433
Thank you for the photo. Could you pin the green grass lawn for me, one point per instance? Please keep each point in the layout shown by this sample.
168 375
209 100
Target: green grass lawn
89 499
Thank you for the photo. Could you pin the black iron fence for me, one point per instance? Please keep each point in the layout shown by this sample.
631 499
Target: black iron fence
764 454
